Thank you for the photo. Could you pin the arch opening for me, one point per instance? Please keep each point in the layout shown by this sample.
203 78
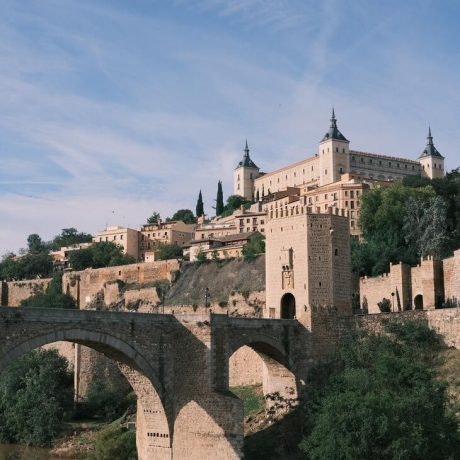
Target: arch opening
260 376
288 306
152 416
418 302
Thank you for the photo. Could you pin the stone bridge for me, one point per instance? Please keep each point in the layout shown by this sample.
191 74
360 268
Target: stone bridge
177 365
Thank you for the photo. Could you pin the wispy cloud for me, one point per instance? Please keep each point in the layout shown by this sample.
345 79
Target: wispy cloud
106 107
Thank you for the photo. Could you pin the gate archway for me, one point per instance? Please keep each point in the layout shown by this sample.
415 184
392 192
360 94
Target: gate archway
288 306
418 302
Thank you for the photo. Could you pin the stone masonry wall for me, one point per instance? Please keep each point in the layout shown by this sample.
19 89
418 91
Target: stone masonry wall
15 291
452 279
85 285
445 321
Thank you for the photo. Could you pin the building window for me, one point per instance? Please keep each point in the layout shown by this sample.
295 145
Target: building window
325 172
250 176
121 237
346 192
380 162
337 149
346 204
352 204
352 194
362 160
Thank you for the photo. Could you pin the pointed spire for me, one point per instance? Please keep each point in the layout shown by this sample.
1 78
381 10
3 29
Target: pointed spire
430 137
334 132
246 149
246 158
430 149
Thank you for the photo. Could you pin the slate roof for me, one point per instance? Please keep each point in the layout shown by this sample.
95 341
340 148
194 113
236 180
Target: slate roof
246 161
430 149
334 132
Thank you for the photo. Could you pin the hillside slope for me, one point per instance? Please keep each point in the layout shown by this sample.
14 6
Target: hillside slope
222 278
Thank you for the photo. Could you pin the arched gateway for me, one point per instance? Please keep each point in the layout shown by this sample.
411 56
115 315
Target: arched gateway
288 306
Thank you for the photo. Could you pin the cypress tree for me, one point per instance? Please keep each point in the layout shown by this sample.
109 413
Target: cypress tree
219 199
199 205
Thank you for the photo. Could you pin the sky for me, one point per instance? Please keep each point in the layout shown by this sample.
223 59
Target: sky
113 109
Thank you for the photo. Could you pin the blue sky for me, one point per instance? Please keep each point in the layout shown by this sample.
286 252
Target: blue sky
110 110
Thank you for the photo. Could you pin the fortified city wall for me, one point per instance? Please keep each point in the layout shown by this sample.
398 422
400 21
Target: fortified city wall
420 287
13 292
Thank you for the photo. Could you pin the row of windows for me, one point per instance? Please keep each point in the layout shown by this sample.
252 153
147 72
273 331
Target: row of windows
380 162
439 166
107 238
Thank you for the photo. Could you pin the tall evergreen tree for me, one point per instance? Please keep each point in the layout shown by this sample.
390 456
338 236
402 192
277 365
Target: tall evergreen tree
219 199
199 205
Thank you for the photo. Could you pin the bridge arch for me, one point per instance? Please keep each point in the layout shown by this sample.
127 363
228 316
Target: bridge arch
153 407
268 358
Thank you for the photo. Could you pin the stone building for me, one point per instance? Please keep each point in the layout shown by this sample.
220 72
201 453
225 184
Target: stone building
334 177
220 247
172 232
127 238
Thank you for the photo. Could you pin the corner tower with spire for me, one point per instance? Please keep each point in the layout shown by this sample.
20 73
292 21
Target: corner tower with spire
431 160
244 175
333 154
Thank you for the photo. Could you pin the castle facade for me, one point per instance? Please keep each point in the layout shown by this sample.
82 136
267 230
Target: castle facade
334 162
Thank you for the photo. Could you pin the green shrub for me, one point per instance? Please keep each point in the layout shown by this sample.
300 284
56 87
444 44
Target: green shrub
105 401
36 393
115 443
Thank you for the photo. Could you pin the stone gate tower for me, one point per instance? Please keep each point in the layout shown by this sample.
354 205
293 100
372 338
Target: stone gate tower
244 175
308 266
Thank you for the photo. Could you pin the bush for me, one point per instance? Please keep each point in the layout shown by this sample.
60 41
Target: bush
254 247
105 401
52 298
165 251
115 443
384 305
380 399
36 393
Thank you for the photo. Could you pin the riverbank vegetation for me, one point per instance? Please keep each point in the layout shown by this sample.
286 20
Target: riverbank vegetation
390 396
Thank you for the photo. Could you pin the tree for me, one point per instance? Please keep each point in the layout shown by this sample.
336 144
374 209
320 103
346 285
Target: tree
425 226
26 267
164 251
98 255
184 215
199 205
201 257
36 393
154 218
219 199
36 245
234 202
254 247
69 237
381 399
53 297
382 216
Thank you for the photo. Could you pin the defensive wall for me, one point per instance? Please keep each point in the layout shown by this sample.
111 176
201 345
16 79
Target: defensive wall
426 286
13 292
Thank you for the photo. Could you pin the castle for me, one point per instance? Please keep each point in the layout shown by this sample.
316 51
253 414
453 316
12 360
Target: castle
334 177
